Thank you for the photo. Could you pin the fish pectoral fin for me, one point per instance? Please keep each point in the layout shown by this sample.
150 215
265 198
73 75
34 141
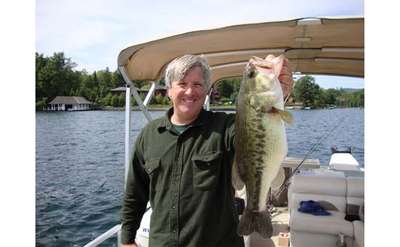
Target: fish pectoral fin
285 115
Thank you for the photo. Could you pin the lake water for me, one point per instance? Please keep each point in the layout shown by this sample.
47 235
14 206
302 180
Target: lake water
80 165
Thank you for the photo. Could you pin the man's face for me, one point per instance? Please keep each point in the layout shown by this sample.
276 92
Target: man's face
187 96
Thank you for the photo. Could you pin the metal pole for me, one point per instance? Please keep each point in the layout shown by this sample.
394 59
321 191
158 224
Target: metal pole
207 103
119 239
129 92
150 94
127 130
100 239
135 94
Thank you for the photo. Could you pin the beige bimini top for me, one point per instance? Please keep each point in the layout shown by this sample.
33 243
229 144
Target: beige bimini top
330 46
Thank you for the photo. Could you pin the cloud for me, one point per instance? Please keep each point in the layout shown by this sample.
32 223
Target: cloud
94 31
60 27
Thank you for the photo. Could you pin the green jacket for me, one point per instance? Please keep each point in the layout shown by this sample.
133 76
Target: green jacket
187 178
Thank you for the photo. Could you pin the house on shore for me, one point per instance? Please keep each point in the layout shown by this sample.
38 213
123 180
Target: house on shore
69 103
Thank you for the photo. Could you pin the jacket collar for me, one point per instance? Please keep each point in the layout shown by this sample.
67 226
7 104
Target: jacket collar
165 123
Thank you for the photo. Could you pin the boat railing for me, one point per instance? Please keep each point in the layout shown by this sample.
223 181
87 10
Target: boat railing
130 91
108 234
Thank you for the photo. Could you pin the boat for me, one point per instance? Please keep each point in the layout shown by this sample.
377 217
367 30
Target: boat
328 46
333 184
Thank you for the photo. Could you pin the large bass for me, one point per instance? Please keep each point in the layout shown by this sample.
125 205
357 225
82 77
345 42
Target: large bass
260 140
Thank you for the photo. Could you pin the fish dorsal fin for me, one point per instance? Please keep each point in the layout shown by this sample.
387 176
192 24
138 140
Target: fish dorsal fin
285 115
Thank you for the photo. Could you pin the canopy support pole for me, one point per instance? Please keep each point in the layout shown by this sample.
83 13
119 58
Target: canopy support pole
207 103
150 94
135 94
130 91
127 130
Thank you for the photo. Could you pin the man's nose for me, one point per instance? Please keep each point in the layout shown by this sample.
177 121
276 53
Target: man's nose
189 89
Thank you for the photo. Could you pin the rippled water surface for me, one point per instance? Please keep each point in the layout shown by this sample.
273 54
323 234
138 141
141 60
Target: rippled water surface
80 165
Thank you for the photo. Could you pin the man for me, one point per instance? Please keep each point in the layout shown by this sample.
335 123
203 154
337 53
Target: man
182 163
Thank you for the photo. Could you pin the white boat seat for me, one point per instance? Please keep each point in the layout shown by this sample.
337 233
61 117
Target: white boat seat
315 182
331 188
331 224
330 203
319 231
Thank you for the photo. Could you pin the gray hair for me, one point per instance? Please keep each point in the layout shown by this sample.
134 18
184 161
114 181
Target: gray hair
178 68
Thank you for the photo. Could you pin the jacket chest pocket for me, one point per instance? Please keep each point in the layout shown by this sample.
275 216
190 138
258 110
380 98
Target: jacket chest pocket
206 170
152 168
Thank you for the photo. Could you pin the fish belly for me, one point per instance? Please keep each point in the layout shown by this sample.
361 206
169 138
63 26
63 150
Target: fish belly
260 149
264 152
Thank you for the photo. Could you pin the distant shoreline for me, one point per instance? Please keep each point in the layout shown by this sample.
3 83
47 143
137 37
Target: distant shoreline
215 108
163 108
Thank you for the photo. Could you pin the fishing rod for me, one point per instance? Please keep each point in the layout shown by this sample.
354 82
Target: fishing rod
313 148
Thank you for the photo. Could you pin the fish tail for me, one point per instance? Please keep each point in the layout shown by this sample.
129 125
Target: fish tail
255 222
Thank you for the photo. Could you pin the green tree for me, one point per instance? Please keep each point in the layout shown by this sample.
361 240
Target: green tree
139 83
121 100
225 88
114 101
106 100
158 99
307 91
360 96
319 99
165 101
54 76
40 75
133 102
331 95
353 99
146 86
116 79
41 104
104 82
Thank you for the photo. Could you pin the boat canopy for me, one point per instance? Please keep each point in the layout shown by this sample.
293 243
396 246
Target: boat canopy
328 46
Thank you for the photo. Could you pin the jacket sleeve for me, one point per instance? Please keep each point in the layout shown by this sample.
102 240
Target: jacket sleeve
230 134
136 194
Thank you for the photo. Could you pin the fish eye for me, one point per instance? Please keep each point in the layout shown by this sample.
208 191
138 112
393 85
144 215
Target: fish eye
251 73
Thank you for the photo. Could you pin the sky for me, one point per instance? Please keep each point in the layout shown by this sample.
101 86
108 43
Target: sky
93 32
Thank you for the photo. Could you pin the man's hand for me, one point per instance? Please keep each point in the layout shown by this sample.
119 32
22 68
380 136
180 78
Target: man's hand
286 78
270 64
129 245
